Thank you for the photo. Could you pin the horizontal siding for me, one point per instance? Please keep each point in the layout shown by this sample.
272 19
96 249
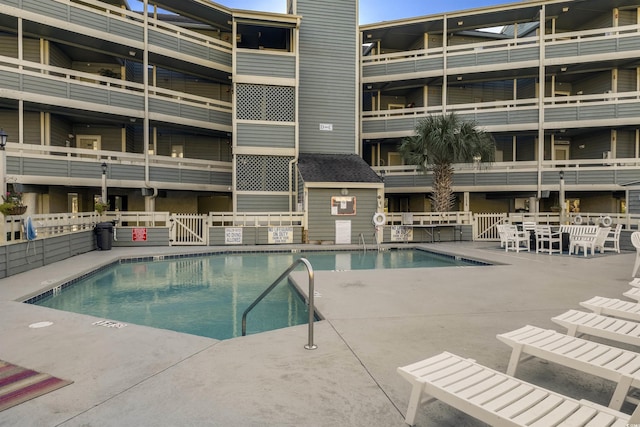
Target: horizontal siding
322 83
20 257
322 225
263 203
156 236
264 135
266 65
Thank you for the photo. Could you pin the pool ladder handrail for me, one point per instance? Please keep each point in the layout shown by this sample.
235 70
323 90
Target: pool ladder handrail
310 345
364 245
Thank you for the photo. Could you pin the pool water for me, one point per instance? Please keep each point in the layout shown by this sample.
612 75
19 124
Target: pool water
207 295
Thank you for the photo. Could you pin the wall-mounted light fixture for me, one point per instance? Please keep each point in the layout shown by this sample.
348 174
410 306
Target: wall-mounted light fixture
3 139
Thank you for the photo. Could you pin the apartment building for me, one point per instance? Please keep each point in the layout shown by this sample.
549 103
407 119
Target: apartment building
192 107
556 83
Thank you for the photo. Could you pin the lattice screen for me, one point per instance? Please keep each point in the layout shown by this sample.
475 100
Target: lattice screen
262 173
262 102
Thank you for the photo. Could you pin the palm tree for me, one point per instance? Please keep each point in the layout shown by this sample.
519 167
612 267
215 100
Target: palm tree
441 141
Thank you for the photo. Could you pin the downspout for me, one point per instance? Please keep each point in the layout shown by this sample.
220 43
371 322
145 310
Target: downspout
293 178
541 95
145 121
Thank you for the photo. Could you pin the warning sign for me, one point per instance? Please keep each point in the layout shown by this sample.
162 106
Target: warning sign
139 234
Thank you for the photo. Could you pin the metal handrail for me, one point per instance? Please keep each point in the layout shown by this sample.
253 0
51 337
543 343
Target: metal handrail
364 245
310 345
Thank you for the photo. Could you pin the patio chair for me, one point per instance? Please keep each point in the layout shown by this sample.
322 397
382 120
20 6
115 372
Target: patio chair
498 399
611 363
614 238
502 234
635 241
546 239
515 239
589 241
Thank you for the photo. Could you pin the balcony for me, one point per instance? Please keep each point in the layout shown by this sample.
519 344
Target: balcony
82 22
48 165
43 84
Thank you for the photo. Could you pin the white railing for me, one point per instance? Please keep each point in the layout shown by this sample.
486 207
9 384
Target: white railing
255 219
137 219
428 218
47 225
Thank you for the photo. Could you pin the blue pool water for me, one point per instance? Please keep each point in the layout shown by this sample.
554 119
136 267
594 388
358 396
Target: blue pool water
207 295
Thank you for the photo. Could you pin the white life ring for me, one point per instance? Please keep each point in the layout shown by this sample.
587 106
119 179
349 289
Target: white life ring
379 219
577 220
606 221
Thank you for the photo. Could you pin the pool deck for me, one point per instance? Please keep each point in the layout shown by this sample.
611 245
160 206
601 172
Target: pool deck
374 322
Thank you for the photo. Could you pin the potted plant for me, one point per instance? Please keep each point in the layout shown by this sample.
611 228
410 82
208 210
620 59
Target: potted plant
12 203
100 206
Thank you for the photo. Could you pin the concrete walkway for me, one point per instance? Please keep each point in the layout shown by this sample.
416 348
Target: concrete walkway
375 322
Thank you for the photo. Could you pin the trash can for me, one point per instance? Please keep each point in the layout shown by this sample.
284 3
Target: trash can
104 235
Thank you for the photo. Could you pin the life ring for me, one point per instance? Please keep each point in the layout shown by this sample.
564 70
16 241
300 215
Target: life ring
577 220
379 219
606 221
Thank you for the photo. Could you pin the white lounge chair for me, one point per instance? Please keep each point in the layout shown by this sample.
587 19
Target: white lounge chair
498 399
635 241
611 363
614 239
613 307
579 322
633 293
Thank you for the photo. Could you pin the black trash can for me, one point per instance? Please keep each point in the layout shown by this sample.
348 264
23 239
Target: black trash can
104 235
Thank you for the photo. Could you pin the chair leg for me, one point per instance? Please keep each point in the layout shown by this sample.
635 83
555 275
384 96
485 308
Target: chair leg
636 265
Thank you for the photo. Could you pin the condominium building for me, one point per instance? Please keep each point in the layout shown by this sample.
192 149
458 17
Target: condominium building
192 107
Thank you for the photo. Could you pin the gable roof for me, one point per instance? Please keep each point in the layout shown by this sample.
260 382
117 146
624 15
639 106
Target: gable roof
335 168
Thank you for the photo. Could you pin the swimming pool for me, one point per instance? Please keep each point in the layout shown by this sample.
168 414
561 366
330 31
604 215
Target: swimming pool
207 295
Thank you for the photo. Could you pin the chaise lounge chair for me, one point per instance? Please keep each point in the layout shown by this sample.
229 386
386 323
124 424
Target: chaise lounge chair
579 322
611 363
499 399
613 307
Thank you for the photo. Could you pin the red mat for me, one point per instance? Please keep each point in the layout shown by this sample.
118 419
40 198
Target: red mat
18 384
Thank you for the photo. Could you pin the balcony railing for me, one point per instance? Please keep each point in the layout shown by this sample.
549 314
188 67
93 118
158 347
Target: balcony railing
57 86
75 165
124 26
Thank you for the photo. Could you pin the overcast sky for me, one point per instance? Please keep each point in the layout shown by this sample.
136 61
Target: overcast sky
376 10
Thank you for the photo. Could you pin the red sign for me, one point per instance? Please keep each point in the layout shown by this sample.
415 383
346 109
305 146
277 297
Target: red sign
139 234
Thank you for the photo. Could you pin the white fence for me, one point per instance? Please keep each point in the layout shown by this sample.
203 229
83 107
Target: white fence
192 229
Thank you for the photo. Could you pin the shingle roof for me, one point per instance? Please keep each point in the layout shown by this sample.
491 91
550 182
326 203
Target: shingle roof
335 168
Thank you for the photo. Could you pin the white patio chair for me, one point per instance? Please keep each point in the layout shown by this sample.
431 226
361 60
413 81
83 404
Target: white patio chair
502 234
545 236
515 239
614 238
635 241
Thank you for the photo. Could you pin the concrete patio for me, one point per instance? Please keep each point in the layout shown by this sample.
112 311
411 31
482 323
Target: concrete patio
374 322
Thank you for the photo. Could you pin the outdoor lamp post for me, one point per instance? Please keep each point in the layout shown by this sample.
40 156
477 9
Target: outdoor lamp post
104 182
561 198
3 162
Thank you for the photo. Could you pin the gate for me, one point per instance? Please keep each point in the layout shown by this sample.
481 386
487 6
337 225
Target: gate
484 226
188 230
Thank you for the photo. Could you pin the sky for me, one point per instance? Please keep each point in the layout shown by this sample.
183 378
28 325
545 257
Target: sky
376 10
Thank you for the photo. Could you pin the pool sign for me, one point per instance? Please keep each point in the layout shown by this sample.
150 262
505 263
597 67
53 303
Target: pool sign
280 235
139 234
401 233
233 236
